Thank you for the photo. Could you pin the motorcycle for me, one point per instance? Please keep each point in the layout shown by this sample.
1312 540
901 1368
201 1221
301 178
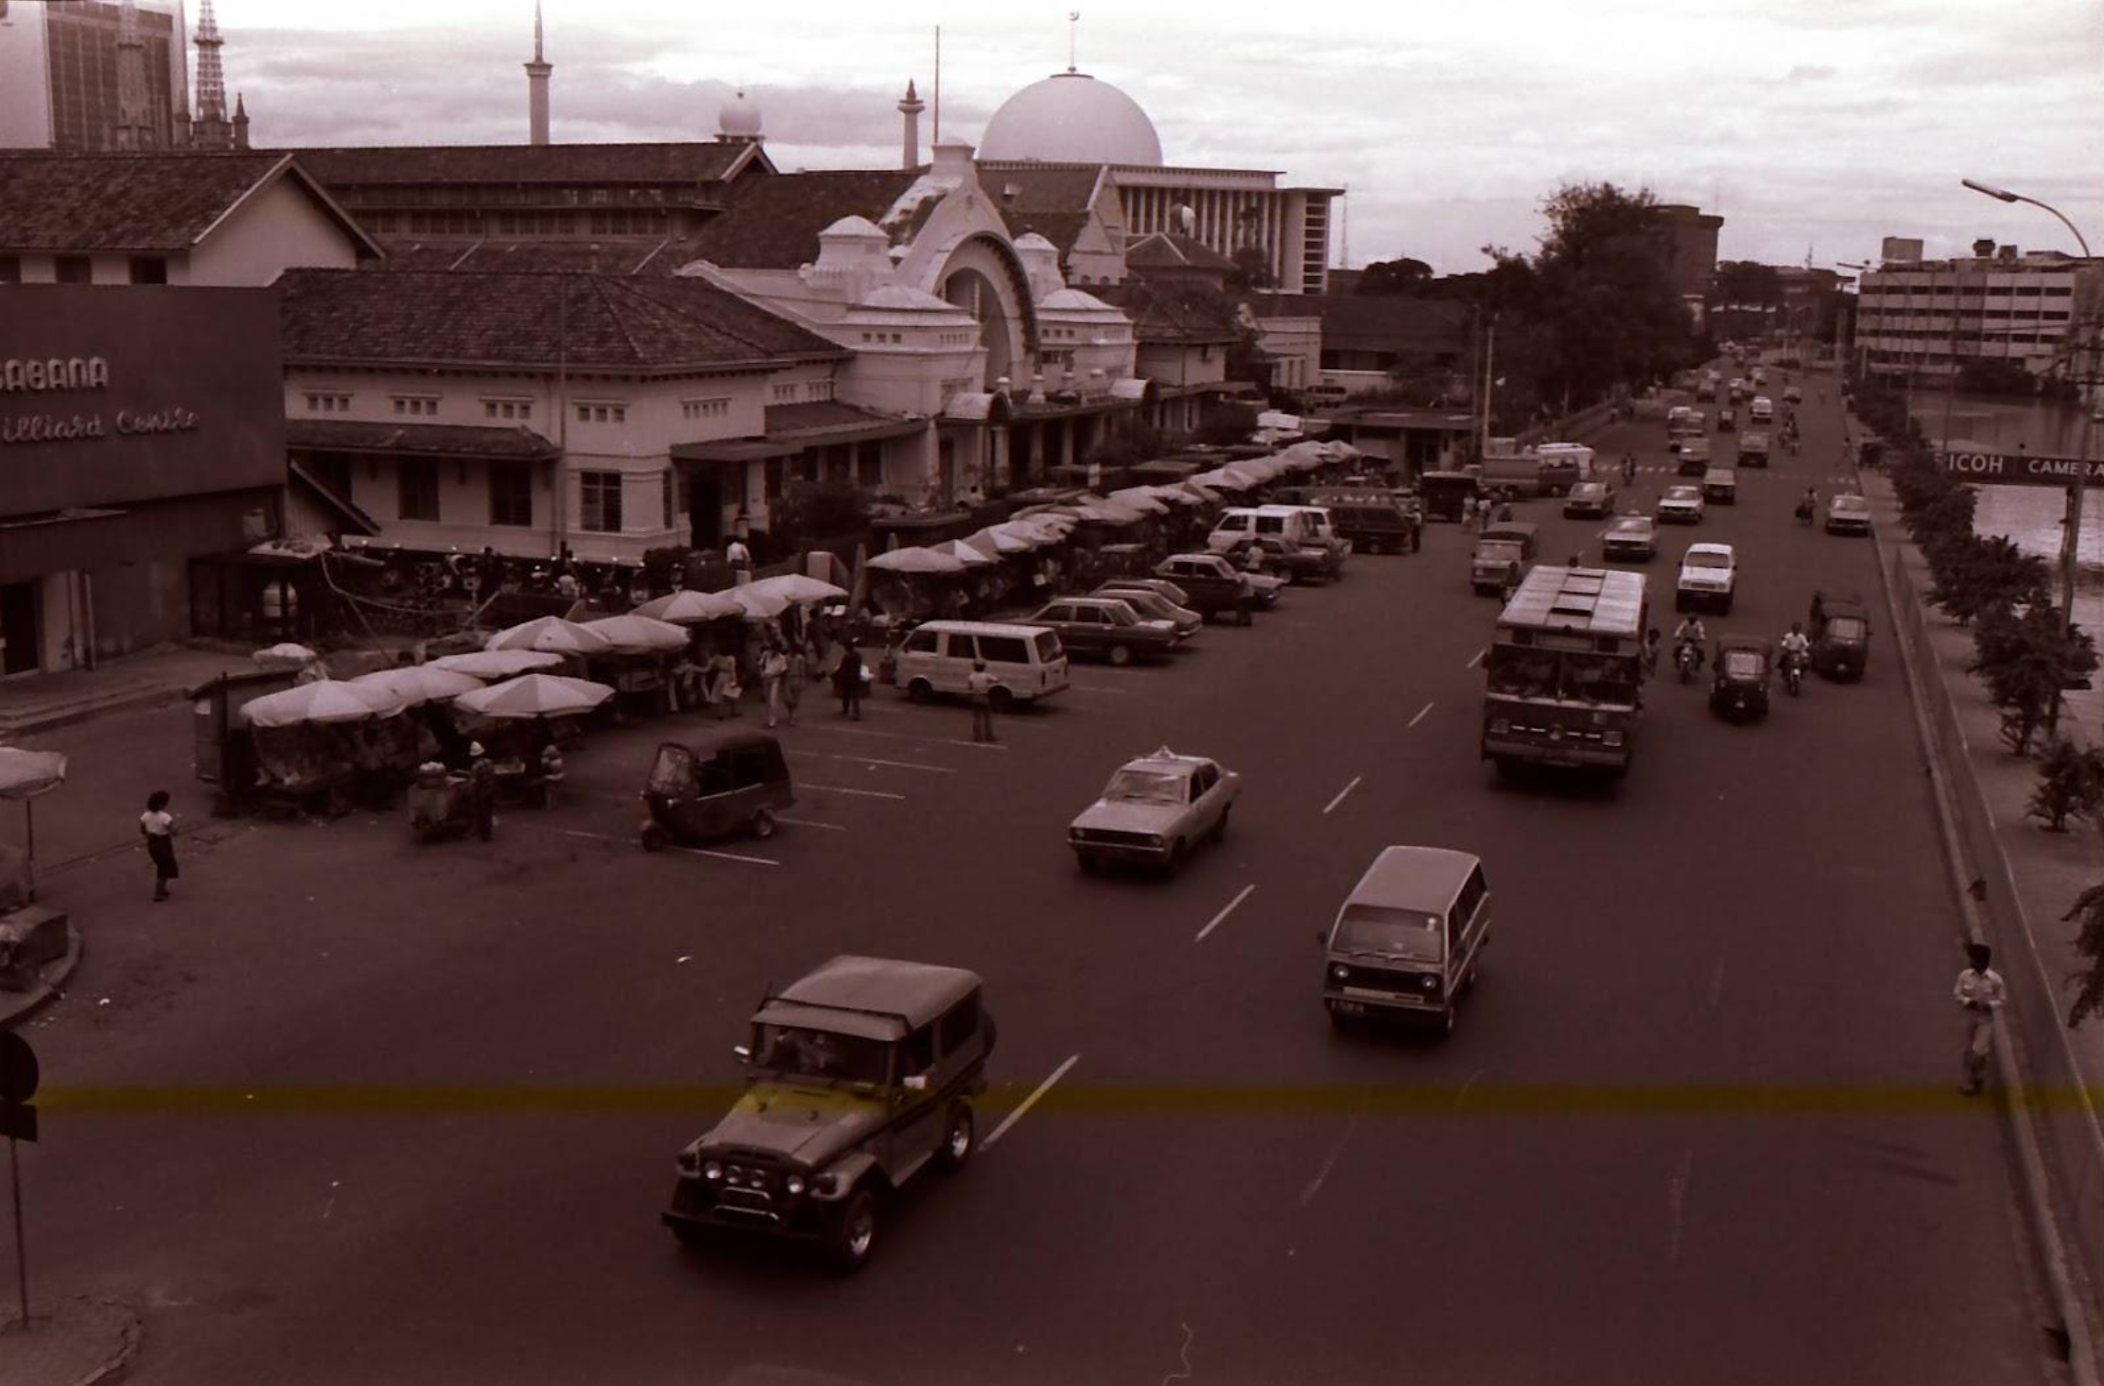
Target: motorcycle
1793 672
1687 657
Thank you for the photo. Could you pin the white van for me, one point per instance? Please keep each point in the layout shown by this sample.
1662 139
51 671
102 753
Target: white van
1409 940
1322 526
1762 410
1027 662
1243 522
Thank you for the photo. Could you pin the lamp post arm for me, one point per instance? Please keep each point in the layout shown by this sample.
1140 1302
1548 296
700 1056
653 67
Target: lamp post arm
2063 221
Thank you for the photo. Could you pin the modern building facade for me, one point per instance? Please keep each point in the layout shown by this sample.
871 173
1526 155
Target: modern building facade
1691 248
1929 318
86 75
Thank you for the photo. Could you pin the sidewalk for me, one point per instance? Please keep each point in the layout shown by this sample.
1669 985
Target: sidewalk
42 701
2025 879
73 1342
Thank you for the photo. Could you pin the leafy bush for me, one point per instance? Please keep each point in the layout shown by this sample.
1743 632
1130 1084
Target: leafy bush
2089 943
2027 661
2070 784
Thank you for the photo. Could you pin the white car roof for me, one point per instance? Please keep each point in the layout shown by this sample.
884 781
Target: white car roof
1682 493
1167 761
1724 549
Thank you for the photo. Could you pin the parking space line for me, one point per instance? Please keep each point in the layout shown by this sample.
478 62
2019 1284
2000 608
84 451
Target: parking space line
811 823
1097 688
909 736
690 851
872 760
1477 660
1340 795
1420 716
1031 1101
858 793
1242 895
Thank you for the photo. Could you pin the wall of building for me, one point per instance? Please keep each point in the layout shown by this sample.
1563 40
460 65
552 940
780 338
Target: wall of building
1932 319
275 230
1295 344
25 92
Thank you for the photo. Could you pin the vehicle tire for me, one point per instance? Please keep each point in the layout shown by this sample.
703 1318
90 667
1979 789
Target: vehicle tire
653 838
762 824
1120 655
920 691
1725 609
1373 546
1088 864
1444 1026
1343 1024
959 1138
1001 700
1249 616
853 1236
1177 853
1219 833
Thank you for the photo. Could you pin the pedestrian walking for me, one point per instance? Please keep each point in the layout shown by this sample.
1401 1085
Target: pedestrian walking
739 558
793 683
482 791
157 826
1468 512
774 672
1981 991
724 691
980 686
849 678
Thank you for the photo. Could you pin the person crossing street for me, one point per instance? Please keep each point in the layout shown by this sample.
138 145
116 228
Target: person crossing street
980 685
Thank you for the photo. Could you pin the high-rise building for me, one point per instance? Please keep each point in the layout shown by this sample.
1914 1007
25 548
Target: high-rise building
1928 318
62 81
1692 247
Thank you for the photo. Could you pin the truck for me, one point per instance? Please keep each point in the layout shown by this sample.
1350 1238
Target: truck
1563 684
1541 469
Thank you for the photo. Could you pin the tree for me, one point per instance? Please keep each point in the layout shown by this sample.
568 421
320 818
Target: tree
1404 277
2089 942
2027 661
2070 784
1252 270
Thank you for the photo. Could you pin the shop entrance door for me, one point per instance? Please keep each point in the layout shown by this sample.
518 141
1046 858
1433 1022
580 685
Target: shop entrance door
704 507
18 627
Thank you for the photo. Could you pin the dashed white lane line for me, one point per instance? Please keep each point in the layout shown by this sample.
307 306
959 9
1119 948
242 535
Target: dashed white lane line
809 823
1031 1101
1477 659
1340 795
858 793
1307 1195
1214 923
909 736
1420 715
872 760
671 847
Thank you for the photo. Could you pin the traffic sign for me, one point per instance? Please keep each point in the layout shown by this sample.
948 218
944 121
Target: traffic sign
18 1069
18 1123
2020 469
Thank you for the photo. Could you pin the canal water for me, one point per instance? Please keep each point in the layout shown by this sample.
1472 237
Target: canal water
2034 516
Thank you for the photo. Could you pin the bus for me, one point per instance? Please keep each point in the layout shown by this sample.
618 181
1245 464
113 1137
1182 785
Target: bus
1564 678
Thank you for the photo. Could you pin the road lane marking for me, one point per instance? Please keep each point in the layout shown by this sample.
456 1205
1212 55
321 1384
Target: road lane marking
1097 688
1307 1195
1242 895
908 736
1478 659
1677 1202
808 823
1031 1101
859 793
1462 1096
872 760
1340 795
1420 716
672 846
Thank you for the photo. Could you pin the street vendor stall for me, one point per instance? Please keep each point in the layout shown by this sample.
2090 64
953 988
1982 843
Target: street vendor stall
316 744
635 664
518 720
26 776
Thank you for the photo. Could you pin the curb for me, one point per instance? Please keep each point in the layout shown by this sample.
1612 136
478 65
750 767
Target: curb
127 1348
2073 1309
87 710
130 1334
16 1007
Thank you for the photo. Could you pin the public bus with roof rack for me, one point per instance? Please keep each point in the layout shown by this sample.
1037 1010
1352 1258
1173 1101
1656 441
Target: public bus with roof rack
1564 678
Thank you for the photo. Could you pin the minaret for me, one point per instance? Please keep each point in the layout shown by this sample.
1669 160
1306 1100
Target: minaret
537 86
211 77
134 128
910 110
240 122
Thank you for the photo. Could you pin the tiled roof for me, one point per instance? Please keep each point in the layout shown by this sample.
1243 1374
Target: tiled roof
1067 189
773 223
420 440
824 418
1372 321
1167 250
686 161
1163 312
1060 228
631 255
589 321
144 202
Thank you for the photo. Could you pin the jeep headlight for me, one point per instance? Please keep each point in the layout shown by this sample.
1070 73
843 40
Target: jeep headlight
712 1171
689 1161
1339 972
794 1184
1154 839
826 1184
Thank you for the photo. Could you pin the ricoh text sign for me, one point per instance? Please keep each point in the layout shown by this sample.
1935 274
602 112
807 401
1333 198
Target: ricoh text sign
2020 469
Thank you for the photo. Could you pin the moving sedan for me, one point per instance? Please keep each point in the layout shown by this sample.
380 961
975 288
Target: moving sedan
1590 498
1847 513
1631 539
1154 811
1680 505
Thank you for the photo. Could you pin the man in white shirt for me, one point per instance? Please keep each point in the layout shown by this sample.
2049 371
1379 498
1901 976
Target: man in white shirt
980 685
739 557
1982 992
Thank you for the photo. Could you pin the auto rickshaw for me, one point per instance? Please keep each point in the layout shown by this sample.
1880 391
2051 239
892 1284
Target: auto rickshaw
1739 687
731 783
1840 634
1727 421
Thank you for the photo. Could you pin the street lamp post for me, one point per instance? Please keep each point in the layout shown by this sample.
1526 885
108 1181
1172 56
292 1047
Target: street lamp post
2071 534
1862 352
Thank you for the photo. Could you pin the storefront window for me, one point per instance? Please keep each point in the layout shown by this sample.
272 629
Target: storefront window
416 481
599 502
510 494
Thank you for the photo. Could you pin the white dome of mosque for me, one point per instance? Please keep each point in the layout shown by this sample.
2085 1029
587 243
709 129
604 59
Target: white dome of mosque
1072 118
738 118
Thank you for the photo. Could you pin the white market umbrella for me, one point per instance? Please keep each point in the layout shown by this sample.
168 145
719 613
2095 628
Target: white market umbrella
1142 499
535 695
758 606
285 654
497 664
967 554
999 540
799 588
689 607
420 683
633 634
551 635
1222 479
1175 495
324 700
916 560
26 775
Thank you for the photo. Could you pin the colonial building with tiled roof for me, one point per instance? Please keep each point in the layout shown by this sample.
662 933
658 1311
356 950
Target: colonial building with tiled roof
604 415
1185 332
1075 208
1378 332
163 218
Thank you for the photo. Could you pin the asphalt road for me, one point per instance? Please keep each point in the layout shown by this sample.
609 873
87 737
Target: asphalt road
388 1113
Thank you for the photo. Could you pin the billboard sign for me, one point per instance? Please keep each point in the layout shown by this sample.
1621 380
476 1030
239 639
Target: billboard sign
117 394
2020 469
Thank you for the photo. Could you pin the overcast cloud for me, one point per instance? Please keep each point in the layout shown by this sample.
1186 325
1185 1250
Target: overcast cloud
1810 124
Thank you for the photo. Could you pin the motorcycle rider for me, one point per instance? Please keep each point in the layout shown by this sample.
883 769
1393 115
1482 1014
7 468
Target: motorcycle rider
1808 504
1629 469
1797 647
1690 634
1982 992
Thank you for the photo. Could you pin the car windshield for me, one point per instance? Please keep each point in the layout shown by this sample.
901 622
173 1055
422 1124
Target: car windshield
1630 531
1683 493
1146 786
1497 551
1530 672
809 1053
1850 503
1744 664
1412 934
1708 560
1845 628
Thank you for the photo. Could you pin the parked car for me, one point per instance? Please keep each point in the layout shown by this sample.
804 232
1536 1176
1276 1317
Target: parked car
1154 811
1590 498
1294 562
1633 539
1105 626
1709 576
1153 605
1847 513
1680 505
862 1075
1213 587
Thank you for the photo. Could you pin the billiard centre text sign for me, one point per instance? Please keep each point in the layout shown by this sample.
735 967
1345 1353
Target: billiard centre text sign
112 394
2020 469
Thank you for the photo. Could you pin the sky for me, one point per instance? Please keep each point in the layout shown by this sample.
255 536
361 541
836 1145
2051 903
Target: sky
1816 127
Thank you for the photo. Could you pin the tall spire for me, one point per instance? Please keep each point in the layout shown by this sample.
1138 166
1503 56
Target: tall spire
134 128
537 86
211 77
910 109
